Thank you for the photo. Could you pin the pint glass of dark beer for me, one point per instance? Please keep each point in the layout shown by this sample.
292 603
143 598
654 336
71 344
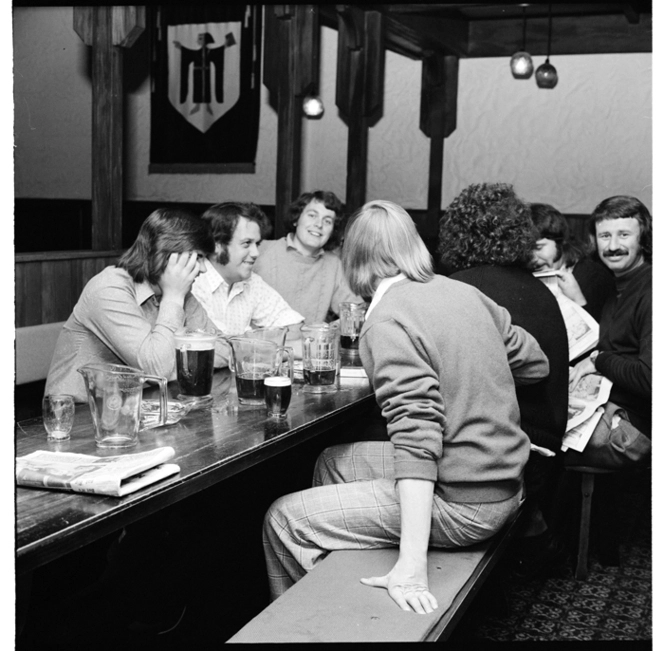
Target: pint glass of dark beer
277 395
194 356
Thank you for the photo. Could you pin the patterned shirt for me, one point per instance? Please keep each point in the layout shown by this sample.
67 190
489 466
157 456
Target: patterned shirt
249 304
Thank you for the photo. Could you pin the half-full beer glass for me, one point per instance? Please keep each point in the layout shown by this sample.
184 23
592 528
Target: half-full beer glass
320 357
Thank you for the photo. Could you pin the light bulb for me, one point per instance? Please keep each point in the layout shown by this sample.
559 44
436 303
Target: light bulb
521 64
313 107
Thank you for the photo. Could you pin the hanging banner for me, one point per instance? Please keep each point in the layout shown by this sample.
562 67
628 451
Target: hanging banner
205 100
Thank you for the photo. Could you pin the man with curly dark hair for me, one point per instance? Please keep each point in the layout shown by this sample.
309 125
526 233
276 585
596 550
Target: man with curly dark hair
303 266
486 239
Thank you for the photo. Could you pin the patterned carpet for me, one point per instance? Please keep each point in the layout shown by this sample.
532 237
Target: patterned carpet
614 603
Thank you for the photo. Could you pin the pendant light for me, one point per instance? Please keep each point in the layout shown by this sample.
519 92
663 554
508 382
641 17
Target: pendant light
521 62
546 75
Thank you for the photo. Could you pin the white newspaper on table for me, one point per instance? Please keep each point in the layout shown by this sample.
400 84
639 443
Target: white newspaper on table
585 408
84 473
582 329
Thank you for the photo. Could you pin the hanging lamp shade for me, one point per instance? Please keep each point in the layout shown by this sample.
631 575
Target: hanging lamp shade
521 62
521 65
546 75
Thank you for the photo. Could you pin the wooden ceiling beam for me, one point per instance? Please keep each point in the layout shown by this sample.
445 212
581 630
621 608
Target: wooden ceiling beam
608 34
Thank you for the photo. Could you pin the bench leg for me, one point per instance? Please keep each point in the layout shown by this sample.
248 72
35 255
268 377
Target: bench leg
587 485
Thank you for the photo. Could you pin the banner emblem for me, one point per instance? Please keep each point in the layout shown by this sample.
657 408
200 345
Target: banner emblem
204 70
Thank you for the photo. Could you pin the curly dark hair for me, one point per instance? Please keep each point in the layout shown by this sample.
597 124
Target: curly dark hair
331 202
486 224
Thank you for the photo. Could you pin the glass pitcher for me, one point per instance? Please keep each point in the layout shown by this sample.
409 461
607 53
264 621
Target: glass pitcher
114 395
320 357
253 361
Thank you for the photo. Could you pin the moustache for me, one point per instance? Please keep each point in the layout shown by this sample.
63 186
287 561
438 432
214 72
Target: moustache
608 254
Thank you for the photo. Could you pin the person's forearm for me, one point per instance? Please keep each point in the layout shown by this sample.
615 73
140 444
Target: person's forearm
416 497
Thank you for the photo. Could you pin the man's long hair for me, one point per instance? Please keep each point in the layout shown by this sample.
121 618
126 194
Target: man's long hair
165 231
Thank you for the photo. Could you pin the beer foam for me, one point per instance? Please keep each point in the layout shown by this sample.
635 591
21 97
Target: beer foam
194 343
277 381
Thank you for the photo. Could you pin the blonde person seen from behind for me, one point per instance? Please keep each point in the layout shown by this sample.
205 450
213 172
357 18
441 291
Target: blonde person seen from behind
451 474
127 313
304 266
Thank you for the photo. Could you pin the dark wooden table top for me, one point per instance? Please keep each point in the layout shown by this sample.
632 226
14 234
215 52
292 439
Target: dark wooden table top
210 445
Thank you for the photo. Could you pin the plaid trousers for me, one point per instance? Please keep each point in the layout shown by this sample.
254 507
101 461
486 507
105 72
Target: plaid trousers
354 504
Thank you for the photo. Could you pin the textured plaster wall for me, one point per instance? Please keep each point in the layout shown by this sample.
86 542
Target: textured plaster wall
572 146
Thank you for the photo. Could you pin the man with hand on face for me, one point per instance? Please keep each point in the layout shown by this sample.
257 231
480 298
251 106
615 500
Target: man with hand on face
621 232
235 298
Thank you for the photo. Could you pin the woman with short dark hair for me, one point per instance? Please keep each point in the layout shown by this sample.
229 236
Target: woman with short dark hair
127 313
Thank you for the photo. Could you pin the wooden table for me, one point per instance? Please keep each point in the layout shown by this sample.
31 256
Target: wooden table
210 445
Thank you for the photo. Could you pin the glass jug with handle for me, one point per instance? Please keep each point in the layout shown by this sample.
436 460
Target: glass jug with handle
114 395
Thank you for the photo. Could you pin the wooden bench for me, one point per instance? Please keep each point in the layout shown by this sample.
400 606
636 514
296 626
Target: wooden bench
34 350
330 604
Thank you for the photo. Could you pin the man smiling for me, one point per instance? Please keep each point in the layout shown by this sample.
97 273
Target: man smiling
622 234
234 297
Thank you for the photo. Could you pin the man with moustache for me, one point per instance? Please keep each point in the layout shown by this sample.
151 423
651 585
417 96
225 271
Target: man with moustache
621 232
235 298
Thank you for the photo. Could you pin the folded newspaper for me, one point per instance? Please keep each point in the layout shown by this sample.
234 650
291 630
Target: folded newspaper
84 473
582 329
585 408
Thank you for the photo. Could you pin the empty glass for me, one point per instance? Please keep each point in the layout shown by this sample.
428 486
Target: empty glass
58 416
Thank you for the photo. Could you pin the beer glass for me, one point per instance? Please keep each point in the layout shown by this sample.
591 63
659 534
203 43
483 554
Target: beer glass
58 416
320 357
254 360
278 390
351 319
194 355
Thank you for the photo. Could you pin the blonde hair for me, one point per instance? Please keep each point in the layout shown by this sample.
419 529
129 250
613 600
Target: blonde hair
382 241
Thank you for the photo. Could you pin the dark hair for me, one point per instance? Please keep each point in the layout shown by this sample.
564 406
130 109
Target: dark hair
165 231
486 224
331 202
622 207
223 219
552 225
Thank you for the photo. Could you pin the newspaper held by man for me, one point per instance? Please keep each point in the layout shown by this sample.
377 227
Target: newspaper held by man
585 408
84 473
582 329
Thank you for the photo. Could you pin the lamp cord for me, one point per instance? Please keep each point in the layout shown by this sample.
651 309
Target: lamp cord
548 47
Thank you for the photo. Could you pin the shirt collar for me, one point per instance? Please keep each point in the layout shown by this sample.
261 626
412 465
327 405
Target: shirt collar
290 244
143 292
383 286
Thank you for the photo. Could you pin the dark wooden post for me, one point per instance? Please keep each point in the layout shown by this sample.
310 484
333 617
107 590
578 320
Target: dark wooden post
438 105
106 29
290 71
359 92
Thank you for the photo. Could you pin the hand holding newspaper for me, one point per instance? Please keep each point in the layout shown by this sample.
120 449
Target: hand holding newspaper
84 473
582 329
586 406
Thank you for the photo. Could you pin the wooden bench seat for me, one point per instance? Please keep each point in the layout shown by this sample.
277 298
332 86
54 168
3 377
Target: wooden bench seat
331 605
34 350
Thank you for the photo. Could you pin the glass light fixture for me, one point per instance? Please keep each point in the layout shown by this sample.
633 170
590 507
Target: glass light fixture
546 75
313 106
521 62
